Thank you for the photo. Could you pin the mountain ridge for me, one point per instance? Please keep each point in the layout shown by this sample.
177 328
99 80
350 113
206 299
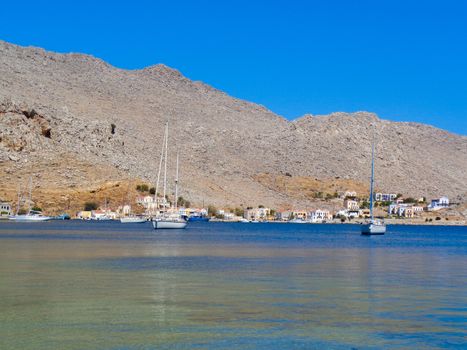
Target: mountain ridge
101 114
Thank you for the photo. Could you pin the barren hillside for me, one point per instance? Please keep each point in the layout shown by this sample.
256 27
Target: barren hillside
63 113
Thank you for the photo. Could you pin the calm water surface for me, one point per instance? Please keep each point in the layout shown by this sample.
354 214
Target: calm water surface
83 285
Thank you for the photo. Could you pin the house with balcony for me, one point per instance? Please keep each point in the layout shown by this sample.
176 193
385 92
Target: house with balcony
352 205
385 197
438 203
319 216
256 214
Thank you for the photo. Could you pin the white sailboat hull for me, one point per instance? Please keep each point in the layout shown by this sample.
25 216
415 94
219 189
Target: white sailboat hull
132 220
30 218
373 229
168 224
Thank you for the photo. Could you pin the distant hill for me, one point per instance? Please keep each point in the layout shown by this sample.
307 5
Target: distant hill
77 122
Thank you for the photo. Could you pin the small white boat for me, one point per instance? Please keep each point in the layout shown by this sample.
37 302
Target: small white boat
298 221
374 227
32 216
133 220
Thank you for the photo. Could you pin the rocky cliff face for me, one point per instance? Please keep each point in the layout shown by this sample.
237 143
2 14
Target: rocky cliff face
65 110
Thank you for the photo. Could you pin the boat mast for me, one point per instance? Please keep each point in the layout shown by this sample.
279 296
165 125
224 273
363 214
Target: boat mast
160 168
18 206
165 158
372 175
176 185
30 194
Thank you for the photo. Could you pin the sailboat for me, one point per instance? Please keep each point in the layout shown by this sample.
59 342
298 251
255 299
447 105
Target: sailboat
32 215
169 219
374 226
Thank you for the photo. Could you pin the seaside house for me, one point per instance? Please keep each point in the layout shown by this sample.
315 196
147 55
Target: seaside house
404 210
5 209
283 215
84 215
300 214
318 216
256 214
152 204
438 203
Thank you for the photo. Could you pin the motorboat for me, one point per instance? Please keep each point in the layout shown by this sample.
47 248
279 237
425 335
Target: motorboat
31 216
133 220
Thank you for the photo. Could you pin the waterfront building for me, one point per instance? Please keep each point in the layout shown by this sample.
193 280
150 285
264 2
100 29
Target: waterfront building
283 215
300 214
153 204
256 214
318 216
404 210
84 215
5 209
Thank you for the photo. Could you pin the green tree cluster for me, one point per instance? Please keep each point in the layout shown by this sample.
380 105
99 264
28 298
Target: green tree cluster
89 206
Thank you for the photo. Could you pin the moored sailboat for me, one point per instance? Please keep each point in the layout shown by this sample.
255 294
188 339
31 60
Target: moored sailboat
31 215
373 226
171 218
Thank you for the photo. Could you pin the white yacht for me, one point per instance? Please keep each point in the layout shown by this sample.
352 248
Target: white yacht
168 219
31 216
373 226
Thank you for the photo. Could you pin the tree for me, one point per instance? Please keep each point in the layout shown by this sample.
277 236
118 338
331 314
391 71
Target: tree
89 206
152 190
410 200
36 208
239 212
142 188
212 210
260 206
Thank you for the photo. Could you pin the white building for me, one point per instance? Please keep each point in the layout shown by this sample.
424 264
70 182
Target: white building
438 203
5 209
350 204
319 215
256 214
385 197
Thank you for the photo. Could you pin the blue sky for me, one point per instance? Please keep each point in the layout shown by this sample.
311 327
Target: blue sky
405 60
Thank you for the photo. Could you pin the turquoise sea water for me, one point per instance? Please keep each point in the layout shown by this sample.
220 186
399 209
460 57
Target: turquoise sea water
84 285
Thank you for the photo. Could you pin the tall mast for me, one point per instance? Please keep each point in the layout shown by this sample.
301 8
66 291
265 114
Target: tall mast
372 175
160 169
165 158
18 206
176 185
30 194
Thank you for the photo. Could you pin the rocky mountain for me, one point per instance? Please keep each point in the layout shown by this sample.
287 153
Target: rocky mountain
75 122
